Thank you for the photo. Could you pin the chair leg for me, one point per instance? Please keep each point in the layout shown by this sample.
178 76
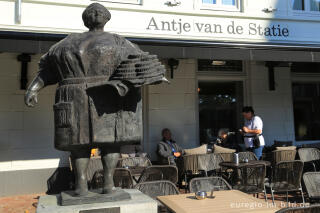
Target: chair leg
272 196
314 167
302 195
265 193
186 182
287 198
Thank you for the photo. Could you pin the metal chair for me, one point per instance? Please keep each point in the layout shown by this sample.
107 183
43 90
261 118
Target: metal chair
312 184
122 178
310 156
208 184
247 155
286 177
307 209
158 188
226 156
252 178
283 155
159 172
202 162
134 162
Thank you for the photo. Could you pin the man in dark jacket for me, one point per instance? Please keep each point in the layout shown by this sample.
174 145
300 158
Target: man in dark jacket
168 150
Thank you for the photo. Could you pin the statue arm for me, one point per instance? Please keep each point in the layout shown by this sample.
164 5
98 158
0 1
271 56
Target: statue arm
31 96
45 77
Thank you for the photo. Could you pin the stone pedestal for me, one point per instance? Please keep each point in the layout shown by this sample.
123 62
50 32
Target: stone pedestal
138 203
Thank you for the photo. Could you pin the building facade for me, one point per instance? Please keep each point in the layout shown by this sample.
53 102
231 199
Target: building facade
231 53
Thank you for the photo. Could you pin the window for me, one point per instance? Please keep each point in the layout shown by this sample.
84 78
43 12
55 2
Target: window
298 4
220 65
220 105
306 5
232 5
314 5
306 109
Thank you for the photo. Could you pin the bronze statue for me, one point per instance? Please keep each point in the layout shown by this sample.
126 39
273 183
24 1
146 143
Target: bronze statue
98 99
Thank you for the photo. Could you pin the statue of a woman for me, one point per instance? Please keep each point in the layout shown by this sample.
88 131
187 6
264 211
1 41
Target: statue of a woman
98 99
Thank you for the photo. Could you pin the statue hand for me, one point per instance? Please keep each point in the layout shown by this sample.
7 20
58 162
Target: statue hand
31 98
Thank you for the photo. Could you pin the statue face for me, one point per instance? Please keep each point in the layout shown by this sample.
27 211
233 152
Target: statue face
95 16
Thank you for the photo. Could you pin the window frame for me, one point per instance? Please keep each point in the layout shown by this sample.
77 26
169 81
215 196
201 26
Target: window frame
220 7
138 2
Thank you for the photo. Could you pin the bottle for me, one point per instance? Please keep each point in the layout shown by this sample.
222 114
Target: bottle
236 158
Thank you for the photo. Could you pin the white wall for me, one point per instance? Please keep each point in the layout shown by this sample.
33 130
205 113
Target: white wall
274 107
26 134
174 106
64 16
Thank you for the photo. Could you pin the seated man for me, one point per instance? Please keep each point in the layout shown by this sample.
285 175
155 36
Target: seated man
168 150
227 139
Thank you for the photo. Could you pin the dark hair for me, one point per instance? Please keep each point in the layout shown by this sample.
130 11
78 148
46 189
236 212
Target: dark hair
87 20
247 109
163 131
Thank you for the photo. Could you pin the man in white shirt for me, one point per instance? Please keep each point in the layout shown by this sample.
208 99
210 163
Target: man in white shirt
253 126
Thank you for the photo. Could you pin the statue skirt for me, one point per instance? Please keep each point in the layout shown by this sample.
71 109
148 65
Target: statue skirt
96 117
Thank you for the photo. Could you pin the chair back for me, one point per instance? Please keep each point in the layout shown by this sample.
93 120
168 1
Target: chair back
309 154
282 143
312 183
226 157
307 209
206 162
283 155
208 184
287 175
247 155
159 172
122 178
252 178
134 162
157 188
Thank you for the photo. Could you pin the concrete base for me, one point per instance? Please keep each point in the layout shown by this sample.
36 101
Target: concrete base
69 198
139 202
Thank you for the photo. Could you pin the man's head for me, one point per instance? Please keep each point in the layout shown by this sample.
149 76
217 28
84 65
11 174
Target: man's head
166 134
247 112
95 16
223 133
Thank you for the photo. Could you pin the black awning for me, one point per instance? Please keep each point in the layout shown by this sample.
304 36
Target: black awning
31 42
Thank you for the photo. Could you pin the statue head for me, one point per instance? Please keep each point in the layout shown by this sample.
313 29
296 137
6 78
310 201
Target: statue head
95 16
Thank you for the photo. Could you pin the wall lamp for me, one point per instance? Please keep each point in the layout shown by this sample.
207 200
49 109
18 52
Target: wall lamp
271 65
173 3
173 64
24 58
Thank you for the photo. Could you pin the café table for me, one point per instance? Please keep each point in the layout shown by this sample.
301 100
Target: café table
224 201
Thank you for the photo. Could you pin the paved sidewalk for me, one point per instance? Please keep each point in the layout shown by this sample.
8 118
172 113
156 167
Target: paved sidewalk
28 203
19 204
